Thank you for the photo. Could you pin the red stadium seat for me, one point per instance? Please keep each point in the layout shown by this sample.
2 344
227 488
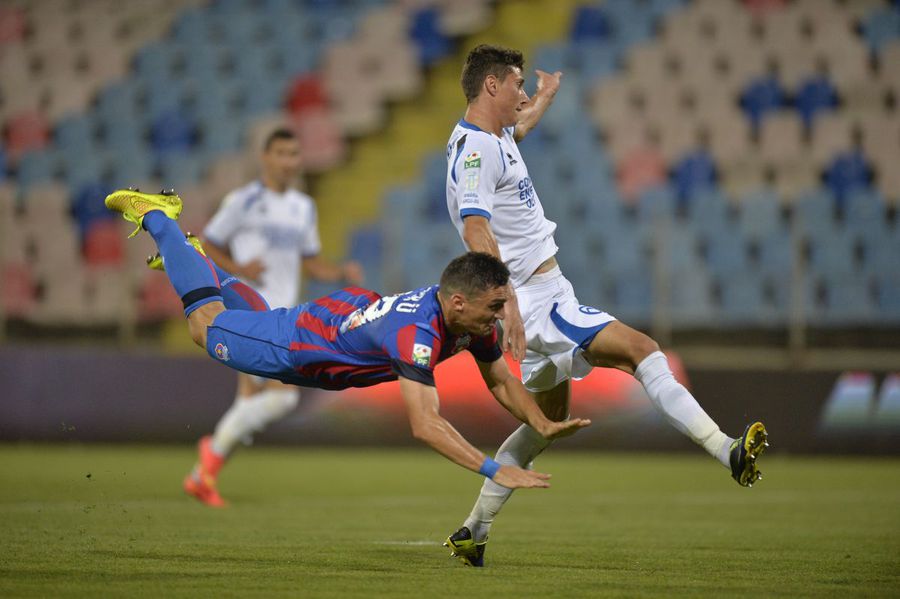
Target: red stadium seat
26 131
305 93
17 293
103 243
12 24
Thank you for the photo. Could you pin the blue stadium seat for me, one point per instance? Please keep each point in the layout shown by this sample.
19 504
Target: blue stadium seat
776 255
815 95
593 60
172 131
709 214
832 252
155 62
849 301
2 163
759 214
815 211
656 203
633 297
36 166
726 252
425 31
120 102
177 169
881 26
761 96
850 171
591 23
87 204
694 173
80 166
75 133
690 298
434 179
742 300
887 297
367 248
129 166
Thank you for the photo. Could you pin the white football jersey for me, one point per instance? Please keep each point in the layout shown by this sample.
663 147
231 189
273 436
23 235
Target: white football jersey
486 176
277 228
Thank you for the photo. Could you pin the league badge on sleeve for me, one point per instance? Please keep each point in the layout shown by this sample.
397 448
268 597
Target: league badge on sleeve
472 160
421 354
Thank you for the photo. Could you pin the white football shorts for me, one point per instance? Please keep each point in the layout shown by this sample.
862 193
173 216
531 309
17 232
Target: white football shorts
557 330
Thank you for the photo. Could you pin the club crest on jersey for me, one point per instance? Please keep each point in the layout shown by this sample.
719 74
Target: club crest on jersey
222 352
421 354
472 160
462 343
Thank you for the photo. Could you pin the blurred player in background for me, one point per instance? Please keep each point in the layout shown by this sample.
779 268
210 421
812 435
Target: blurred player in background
496 210
355 337
264 233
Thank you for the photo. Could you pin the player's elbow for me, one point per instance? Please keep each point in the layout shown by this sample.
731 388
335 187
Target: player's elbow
423 430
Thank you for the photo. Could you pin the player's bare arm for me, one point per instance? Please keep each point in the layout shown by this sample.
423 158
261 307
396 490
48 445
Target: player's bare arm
326 271
251 271
512 395
432 429
478 237
530 114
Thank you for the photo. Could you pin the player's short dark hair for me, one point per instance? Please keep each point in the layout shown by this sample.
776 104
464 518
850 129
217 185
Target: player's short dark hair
486 60
473 273
276 135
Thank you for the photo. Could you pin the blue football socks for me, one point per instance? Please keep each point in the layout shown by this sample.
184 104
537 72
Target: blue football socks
192 275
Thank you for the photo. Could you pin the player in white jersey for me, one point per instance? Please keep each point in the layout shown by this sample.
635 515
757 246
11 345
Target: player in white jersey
495 208
266 233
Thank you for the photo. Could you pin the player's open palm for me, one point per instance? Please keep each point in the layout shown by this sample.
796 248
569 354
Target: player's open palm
565 428
547 82
513 477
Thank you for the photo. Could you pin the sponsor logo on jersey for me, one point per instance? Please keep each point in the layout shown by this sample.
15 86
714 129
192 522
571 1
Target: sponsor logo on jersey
526 192
421 354
472 180
472 160
512 160
222 352
588 310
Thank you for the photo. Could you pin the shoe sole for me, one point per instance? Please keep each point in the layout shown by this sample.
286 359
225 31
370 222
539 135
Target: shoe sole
755 443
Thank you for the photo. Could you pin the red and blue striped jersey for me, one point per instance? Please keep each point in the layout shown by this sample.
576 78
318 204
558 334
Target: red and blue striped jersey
356 338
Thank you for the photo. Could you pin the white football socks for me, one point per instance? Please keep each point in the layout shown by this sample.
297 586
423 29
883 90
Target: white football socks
249 415
519 449
679 406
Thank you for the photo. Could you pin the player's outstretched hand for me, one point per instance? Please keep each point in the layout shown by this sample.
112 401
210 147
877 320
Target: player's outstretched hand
252 271
513 477
548 83
352 272
565 428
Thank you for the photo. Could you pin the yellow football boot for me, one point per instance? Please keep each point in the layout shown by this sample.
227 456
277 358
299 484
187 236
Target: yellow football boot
465 549
155 262
744 452
134 204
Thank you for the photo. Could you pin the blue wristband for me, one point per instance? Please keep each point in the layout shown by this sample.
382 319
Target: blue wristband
489 468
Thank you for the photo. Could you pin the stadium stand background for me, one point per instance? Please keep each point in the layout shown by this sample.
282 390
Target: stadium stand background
722 172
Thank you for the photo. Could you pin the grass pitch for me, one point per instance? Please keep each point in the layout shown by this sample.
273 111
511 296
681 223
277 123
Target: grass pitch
79 521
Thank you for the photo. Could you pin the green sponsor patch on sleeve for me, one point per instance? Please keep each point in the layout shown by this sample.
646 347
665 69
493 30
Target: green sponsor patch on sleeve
472 160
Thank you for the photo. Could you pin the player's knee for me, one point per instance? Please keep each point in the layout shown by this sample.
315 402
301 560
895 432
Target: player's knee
201 318
643 346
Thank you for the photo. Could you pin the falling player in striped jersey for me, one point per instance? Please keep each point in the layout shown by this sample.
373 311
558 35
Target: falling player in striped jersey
265 232
356 338
496 210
